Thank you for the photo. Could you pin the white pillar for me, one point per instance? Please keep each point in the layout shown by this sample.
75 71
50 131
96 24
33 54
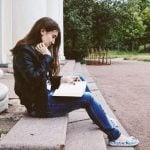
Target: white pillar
18 16
0 32
61 22
55 11
25 13
6 30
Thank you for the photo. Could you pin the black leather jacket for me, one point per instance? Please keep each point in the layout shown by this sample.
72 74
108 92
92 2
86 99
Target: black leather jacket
30 73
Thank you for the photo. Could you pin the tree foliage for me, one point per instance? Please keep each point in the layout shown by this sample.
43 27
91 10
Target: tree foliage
105 23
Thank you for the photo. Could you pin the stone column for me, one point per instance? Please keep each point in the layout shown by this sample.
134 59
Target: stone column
55 11
0 31
25 13
17 18
5 30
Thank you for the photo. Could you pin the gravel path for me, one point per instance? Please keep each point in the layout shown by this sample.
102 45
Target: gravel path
126 88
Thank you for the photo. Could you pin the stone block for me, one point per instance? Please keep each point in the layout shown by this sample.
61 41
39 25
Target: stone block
3 91
36 134
4 104
1 73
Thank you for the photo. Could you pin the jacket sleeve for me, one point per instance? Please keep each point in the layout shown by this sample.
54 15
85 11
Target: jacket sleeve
33 74
55 82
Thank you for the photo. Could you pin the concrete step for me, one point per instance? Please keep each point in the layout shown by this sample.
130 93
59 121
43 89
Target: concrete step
3 91
1 73
82 134
81 69
99 96
84 72
36 134
39 133
68 68
4 104
3 97
78 68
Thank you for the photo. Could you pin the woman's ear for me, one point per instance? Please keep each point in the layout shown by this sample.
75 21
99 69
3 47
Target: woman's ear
43 31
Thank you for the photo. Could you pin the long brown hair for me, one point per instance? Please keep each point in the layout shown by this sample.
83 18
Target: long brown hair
34 37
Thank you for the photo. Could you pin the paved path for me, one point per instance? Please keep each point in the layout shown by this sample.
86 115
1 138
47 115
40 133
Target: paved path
126 87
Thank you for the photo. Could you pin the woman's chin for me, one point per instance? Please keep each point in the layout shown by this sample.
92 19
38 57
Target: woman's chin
47 45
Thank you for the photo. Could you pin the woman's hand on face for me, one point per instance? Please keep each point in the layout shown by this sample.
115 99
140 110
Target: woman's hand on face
42 49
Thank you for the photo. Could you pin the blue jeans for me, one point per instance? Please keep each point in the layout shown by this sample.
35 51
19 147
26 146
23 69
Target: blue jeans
59 106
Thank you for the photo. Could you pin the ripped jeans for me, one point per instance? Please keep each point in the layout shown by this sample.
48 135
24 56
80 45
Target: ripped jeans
59 106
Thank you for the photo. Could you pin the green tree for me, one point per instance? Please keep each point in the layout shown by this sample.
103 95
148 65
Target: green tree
77 25
106 23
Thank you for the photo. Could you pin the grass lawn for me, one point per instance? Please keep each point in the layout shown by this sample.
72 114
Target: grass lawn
130 55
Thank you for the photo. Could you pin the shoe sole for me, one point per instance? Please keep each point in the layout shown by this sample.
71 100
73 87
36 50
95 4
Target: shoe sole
124 145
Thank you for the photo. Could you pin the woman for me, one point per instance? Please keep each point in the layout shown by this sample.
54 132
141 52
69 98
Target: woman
35 61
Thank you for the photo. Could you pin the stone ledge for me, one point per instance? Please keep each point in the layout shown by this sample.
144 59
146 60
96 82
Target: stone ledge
39 133
4 104
36 133
1 73
3 91
99 95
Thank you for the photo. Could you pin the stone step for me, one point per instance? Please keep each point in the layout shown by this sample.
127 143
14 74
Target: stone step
68 68
3 97
81 69
99 96
77 68
3 91
82 134
8 80
36 134
1 73
39 133
4 104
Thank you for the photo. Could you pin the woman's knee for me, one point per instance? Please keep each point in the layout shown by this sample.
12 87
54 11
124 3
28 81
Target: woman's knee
88 97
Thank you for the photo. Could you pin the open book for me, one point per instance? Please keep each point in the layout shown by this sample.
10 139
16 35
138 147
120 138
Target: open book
70 89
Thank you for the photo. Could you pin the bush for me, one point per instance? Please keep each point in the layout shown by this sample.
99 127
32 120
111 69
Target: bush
147 48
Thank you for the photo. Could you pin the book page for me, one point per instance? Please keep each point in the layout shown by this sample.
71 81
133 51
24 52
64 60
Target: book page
70 89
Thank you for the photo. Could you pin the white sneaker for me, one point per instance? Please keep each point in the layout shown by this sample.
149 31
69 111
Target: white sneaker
124 141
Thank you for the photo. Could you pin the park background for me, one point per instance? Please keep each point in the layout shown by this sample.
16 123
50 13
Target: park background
121 27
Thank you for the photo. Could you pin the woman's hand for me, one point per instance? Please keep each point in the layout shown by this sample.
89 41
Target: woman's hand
42 49
70 79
